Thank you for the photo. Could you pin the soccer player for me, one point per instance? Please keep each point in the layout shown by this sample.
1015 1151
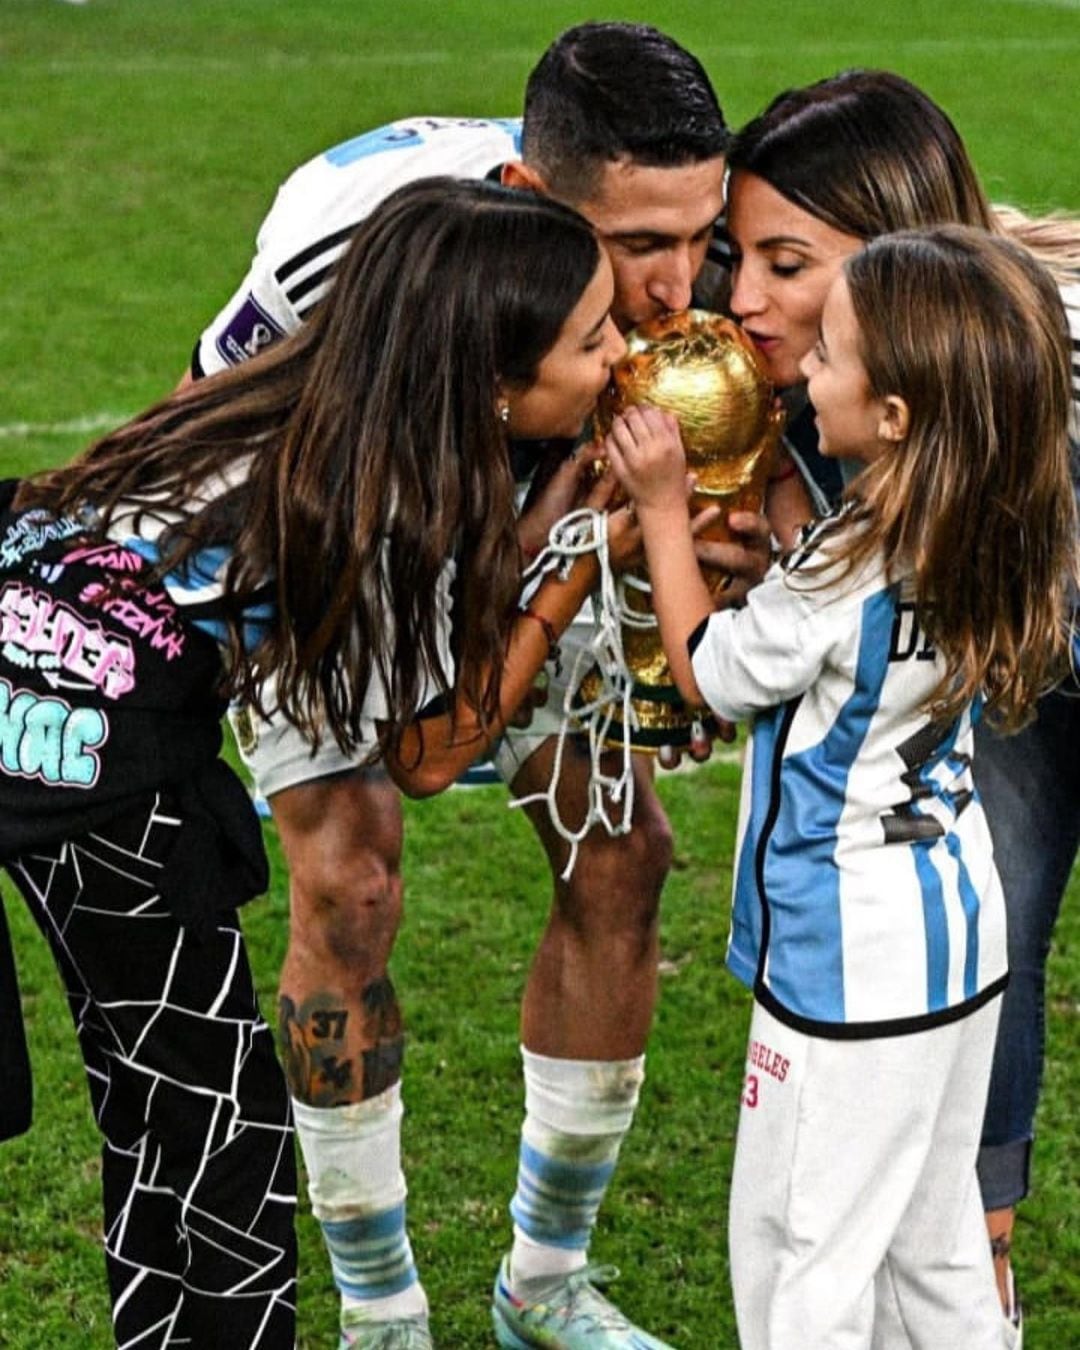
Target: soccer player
623 124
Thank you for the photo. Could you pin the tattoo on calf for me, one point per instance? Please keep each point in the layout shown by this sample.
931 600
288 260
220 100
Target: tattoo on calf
310 1039
332 1056
384 1032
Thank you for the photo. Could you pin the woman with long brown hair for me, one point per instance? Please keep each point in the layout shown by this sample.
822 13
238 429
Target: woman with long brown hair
821 171
868 915
333 520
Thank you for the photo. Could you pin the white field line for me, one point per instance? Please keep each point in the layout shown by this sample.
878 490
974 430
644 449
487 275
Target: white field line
75 426
283 60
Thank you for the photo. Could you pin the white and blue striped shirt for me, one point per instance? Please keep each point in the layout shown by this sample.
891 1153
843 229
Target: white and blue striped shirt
866 900
317 210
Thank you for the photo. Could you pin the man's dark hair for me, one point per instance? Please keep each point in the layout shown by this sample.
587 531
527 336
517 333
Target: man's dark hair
614 91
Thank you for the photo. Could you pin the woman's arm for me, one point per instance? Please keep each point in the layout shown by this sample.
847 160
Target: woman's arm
436 750
560 494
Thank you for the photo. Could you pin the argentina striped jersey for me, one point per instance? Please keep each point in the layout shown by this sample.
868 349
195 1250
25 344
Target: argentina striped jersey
317 210
866 901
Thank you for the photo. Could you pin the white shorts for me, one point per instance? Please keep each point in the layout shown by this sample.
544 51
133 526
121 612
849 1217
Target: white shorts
856 1221
516 744
279 756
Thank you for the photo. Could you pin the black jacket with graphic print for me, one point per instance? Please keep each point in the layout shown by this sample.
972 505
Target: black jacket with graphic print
108 695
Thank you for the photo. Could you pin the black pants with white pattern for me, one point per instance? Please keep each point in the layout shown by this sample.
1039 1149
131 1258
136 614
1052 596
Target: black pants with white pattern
199 1173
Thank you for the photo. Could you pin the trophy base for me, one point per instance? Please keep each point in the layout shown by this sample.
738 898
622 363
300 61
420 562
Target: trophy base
663 719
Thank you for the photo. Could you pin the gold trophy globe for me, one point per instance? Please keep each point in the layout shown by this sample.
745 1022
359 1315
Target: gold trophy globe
703 369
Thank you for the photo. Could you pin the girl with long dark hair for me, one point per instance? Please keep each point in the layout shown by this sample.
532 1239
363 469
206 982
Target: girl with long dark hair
333 520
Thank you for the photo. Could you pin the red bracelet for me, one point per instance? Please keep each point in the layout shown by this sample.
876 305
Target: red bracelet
787 473
527 612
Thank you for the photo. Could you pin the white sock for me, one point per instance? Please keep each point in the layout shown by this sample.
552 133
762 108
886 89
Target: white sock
577 1113
353 1158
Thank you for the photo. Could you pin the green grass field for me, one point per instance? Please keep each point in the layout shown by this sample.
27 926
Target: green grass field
140 144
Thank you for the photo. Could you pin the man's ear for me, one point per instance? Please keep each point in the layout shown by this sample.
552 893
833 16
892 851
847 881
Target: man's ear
895 420
523 177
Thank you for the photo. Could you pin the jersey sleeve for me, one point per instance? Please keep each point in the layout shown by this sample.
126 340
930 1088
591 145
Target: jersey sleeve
317 210
257 315
763 655
259 312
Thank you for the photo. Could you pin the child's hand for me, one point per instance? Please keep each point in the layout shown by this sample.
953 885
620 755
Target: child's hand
645 451
626 547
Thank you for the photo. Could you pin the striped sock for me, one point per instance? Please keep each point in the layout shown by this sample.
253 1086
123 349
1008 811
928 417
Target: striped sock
577 1113
357 1189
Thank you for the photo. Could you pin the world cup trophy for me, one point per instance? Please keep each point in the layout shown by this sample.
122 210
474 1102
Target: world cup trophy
703 369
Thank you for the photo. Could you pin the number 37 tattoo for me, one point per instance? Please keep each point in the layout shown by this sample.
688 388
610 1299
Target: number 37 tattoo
311 1039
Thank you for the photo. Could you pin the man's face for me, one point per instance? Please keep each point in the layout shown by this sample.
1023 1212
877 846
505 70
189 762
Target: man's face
655 225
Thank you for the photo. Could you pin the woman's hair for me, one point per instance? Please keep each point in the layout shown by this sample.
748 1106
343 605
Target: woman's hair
364 451
865 151
982 479
1054 239
976 501
868 153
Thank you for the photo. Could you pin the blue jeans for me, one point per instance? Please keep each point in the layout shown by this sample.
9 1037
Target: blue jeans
1030 787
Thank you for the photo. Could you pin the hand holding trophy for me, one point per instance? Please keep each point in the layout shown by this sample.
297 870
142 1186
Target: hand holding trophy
698 366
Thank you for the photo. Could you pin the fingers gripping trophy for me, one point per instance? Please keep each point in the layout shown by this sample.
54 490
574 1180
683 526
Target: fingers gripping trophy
700 367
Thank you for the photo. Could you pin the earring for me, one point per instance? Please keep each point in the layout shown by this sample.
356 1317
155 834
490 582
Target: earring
504 414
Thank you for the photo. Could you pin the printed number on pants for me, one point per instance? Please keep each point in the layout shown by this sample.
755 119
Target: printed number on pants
750 1090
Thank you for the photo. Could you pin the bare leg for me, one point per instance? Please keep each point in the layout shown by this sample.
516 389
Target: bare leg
339 1022
592 986
341 1036
585 1018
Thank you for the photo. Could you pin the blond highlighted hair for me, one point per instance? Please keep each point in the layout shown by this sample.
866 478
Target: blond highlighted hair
1054 239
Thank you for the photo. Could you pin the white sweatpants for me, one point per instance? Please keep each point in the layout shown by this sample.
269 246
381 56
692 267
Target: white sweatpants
855 1220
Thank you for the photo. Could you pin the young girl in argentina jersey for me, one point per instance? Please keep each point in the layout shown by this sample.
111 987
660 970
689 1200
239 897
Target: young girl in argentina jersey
337 513
868 915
